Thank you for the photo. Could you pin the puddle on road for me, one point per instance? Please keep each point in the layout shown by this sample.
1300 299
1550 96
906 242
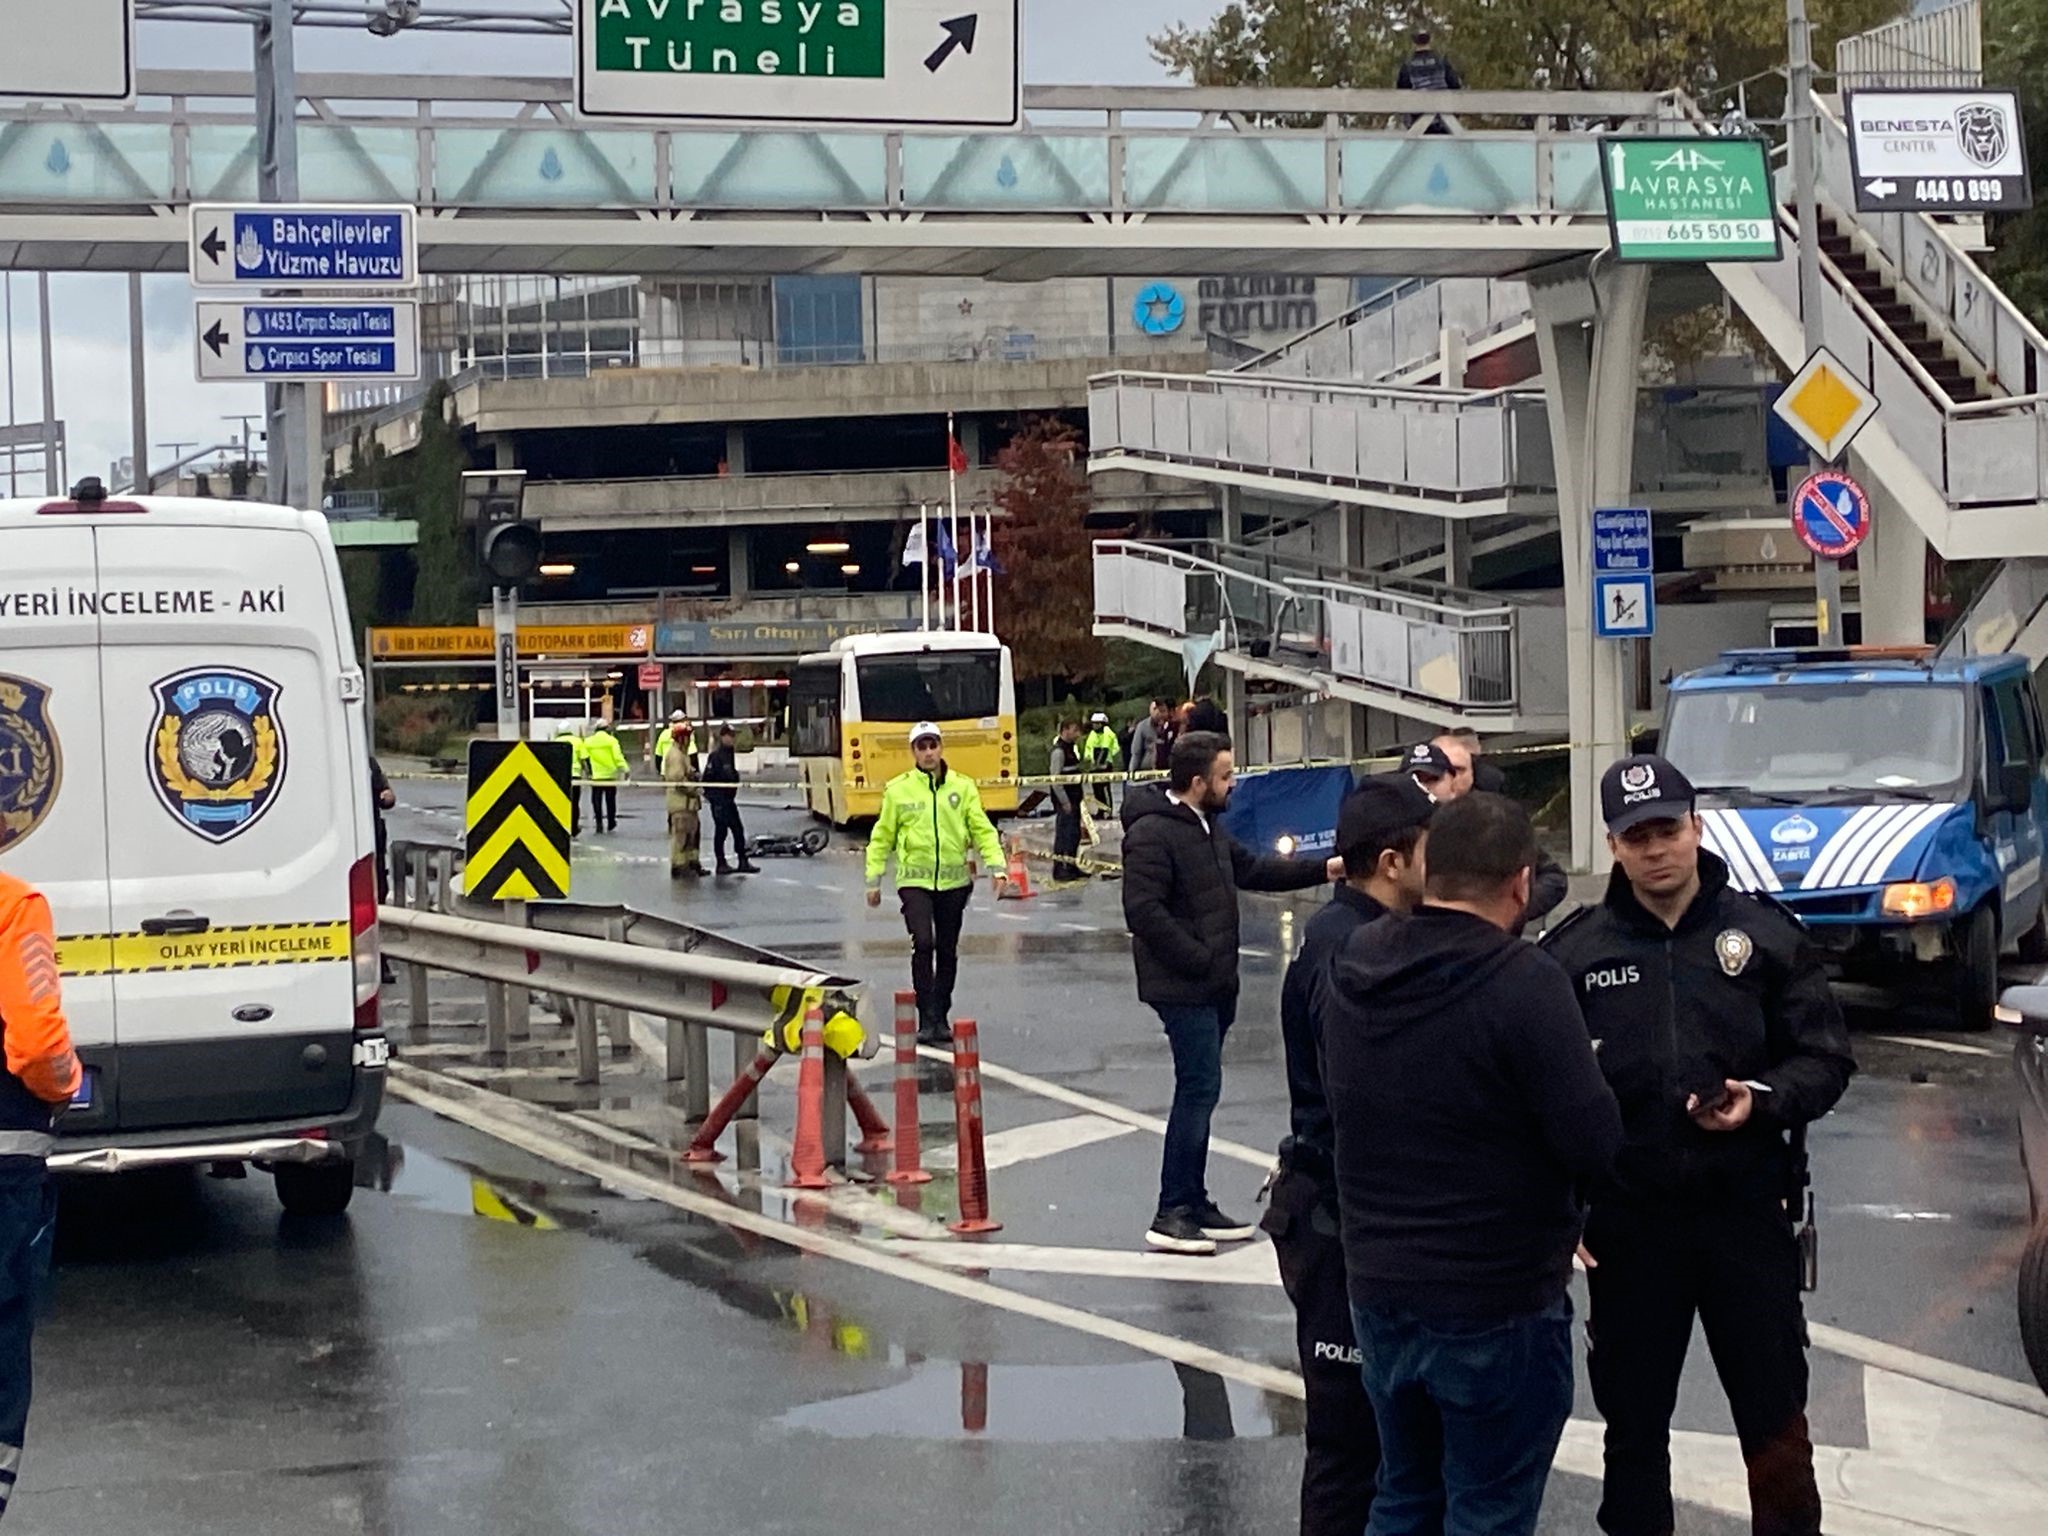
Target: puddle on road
1050 1404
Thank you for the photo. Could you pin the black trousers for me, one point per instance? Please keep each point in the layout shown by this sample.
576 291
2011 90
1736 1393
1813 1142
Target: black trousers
725 819
575 809
1342 1442
934 919
28 1220
1734 1264
1066 841
604 806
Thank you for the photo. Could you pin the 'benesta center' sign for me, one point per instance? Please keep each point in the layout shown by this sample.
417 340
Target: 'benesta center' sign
1690 199
822 38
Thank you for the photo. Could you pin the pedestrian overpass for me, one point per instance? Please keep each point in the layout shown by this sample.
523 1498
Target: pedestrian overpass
1135 181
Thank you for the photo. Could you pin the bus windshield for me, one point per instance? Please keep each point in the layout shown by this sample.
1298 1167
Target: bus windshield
1811 741
930 685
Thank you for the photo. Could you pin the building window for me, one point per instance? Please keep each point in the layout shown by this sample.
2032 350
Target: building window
818 320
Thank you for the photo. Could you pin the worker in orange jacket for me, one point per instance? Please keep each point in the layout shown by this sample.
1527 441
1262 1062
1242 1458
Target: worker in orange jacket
40 1076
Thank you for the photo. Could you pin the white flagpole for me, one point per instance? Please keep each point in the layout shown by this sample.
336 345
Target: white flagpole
974 567
989 522
924 570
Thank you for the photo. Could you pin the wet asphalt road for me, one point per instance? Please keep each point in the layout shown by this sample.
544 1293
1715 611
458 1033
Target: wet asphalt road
620 1366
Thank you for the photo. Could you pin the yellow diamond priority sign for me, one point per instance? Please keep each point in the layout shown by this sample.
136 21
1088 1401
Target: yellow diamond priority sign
1826 405
517 821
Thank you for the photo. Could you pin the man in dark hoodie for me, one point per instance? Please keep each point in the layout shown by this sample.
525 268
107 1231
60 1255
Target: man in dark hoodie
1723 1042
1381 832
1182 873
722 794
1469 1113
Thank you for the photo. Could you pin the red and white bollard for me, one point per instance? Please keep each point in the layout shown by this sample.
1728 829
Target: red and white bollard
702 1148
807 1151
974 1216
909 1148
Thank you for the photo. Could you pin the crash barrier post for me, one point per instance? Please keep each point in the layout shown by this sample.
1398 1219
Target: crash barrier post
422 876
807 1151
703 1146
694 990
909 1152
874 1130
973 1179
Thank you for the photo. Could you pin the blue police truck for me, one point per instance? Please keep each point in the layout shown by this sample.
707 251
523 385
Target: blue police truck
1894 800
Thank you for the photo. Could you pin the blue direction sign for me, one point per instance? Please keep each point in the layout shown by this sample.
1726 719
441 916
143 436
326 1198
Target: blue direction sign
304 246
1831 514
1621 541
309 341
1625 607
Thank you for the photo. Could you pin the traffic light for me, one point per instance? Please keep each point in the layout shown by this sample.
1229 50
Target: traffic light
508 547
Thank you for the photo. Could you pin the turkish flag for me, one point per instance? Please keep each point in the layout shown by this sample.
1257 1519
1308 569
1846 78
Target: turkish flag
956 456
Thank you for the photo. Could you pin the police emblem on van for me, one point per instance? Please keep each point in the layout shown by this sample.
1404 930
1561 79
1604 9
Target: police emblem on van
217 749
31 763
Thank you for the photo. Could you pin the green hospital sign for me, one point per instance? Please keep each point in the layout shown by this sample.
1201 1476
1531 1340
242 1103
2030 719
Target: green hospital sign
1690 199
807 38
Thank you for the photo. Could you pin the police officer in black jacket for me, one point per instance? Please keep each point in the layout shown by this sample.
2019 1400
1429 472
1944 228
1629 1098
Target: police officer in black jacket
1381 831
1716 1029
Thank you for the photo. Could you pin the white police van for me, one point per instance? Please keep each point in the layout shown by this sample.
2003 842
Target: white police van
184 774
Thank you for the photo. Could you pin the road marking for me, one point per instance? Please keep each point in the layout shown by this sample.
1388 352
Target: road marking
1082 927
1238 1264
996 1073
1952 1047
785 880
836 890
1013 917
1029 1143
496 1123
1891 1212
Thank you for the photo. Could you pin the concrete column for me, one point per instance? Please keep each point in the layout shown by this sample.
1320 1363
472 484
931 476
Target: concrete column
736 450
1230 501
1451 344
1891 573
1457 553
505 451
1589 332
739 564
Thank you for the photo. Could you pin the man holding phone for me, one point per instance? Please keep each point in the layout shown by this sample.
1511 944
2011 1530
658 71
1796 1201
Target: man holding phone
1716 1029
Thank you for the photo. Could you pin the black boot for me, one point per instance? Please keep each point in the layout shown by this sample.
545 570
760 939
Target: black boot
746 867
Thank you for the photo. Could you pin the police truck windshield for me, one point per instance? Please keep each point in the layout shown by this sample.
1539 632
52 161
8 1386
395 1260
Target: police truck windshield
1819 742
930 685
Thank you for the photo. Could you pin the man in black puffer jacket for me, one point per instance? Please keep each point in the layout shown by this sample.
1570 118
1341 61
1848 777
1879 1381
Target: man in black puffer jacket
1182 874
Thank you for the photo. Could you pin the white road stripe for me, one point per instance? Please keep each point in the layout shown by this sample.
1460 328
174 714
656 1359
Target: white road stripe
1235 1264
1013 917
996 1073
1953 1047
1265 1378
1029 1143
1082 927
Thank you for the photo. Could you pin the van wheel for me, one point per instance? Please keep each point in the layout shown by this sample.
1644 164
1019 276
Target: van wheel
2034 1303
2034 942
316 1189
1977 969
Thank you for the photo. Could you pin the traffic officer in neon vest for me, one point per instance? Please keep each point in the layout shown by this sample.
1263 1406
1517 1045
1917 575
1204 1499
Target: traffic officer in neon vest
931 822
1101 752
607 760
1716 1030
37 1080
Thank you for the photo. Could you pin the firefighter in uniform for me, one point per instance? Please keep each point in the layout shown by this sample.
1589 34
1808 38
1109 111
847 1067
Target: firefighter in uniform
37 1080
1380 835
1717 1031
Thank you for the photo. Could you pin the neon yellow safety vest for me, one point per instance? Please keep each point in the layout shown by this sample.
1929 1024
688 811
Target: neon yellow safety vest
929 828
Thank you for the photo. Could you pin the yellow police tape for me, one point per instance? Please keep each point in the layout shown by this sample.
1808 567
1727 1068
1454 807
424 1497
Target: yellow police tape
135 954
495 1205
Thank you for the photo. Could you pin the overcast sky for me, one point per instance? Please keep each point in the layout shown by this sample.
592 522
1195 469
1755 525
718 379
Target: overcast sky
1084 42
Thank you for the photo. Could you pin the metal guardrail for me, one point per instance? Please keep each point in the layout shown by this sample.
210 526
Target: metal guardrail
1399 330
1409 638
600 965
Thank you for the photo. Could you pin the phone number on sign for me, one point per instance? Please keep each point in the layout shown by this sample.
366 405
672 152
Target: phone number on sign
1744 231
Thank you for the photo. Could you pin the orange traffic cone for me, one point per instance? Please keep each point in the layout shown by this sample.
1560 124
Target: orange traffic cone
1019 877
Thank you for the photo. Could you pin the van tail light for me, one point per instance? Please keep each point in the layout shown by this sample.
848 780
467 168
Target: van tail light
364 950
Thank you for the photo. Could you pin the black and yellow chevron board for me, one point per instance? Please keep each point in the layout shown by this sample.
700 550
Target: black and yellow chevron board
517 821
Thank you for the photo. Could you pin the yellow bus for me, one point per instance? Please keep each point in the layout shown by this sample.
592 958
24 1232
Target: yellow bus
851 709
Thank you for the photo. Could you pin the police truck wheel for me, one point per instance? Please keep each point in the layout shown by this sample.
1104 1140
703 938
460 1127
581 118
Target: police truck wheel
316 1189
2034 1303
1977 969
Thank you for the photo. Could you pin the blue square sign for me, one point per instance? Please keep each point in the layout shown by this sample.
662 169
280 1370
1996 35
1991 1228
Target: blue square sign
1621 541
1625 607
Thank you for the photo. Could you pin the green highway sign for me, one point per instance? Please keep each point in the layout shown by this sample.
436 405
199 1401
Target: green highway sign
912 62
1690 199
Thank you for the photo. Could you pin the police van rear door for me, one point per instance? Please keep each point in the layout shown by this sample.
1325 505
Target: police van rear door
231 819
53 829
